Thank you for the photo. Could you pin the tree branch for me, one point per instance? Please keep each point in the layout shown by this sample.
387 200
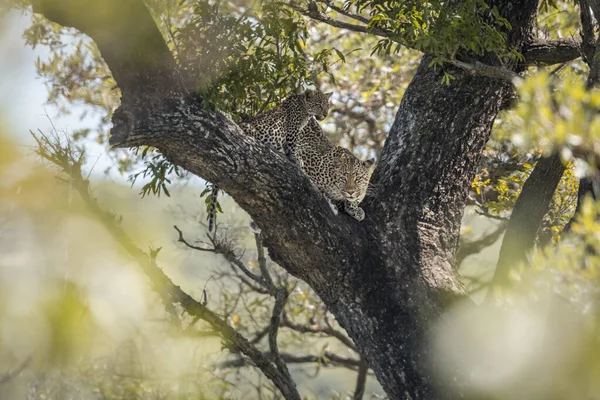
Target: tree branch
550 52
327 359
281 295
361 379
531 206
162 284
588 186
476 246
227 252
540 52
477 68
326 330
481 69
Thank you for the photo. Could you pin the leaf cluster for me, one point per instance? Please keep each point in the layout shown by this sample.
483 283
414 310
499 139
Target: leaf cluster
443 29
158 169
243 61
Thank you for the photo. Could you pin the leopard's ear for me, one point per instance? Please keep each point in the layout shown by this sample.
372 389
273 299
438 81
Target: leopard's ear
328 94
308 93
337 163
369 163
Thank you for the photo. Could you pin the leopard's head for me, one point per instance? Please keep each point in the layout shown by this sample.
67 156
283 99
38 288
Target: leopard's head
317 103
358 173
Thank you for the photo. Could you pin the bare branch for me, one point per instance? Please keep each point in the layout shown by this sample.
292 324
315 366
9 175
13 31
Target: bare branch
262 262
476 246
260 335
281 295
484 212
245 281
361 379
361 116
182 240
226 251
280 300
326 359
319 329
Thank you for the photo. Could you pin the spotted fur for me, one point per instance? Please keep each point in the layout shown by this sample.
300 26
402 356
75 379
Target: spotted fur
336 172
213 208
281 126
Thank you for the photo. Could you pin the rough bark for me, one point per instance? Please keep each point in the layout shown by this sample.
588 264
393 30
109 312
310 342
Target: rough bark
527 215
550 52
386 279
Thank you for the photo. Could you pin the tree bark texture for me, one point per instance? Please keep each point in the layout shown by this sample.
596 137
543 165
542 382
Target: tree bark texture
527 215
386 279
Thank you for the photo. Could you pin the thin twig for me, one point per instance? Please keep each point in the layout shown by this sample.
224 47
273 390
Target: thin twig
476 246
281 295
318 329
219 248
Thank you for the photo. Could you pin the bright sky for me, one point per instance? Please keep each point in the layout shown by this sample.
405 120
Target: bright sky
23 94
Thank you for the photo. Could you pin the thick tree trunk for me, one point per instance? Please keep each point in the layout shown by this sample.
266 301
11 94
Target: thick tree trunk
386 279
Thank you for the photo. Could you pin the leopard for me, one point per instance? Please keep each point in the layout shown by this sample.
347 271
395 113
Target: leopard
280 128
337 173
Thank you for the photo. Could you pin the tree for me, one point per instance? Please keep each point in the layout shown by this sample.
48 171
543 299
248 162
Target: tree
386 280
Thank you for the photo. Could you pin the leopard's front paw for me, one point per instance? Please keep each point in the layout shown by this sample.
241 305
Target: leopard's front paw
354 211
358 214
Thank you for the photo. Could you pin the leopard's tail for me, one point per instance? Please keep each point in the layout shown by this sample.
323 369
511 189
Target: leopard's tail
213 204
